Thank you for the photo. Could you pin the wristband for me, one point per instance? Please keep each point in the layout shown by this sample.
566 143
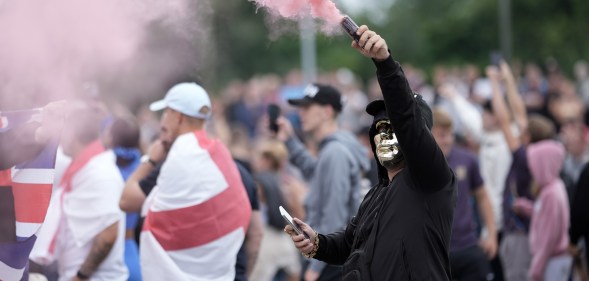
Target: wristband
315 248
82 276
146 159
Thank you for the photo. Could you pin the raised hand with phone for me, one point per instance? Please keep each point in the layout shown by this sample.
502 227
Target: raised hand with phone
276 125
273 114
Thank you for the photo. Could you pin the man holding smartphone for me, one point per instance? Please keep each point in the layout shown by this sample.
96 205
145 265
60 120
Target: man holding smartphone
334 175
402 229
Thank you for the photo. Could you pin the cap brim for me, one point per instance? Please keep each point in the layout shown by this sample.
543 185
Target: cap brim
300 102
158 105
376 107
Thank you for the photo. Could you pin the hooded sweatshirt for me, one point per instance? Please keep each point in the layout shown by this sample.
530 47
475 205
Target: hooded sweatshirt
402 229
550 218
334 181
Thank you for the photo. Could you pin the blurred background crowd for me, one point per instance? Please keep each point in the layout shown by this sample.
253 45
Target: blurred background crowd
491 108
465 94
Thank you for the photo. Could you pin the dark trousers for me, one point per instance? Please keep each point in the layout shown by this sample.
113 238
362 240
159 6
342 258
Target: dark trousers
329 272
496 261
470 264
7 215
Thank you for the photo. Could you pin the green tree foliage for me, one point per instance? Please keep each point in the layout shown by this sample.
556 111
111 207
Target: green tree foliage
462 31
243 44
551 28
421 32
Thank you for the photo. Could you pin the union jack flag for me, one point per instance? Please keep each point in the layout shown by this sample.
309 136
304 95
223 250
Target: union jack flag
25 192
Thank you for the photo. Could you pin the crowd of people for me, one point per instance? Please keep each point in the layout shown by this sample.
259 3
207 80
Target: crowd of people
478 175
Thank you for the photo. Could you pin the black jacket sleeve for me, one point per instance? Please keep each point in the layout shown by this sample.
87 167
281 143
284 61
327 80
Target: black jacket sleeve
335 248
579 211
18 145
425 160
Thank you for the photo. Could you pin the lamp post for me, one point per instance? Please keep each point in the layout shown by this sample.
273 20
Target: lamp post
505 28
308 49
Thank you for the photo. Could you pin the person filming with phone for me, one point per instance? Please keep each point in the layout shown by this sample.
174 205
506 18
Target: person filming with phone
334 175
402 229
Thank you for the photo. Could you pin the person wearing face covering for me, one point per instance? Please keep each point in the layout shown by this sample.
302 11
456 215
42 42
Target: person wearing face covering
334 174
402 228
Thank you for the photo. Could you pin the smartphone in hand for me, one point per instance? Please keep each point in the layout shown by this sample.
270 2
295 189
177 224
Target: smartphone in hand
273 114
496 58
290 221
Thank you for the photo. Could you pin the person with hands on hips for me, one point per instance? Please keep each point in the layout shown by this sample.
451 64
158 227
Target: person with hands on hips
402 228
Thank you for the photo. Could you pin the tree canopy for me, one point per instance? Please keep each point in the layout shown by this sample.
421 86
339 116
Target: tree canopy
421 32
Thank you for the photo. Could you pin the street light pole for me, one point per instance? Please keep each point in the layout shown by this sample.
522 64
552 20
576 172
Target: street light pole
308 49
505 28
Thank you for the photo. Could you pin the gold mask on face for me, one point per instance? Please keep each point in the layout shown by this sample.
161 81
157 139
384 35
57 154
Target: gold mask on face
387 146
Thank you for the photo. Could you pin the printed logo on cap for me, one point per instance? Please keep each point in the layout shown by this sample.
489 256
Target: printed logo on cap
311 91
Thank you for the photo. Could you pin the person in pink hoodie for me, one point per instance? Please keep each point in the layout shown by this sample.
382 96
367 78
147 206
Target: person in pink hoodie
549 214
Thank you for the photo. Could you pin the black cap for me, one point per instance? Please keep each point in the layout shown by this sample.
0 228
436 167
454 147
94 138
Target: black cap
378 110
320 94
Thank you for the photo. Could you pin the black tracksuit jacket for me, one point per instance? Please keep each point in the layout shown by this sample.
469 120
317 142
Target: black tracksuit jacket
402 229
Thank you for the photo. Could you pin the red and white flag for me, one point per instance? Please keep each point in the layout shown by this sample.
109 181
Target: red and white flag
197 215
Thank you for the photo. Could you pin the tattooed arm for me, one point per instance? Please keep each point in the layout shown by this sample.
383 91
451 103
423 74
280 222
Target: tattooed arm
100 249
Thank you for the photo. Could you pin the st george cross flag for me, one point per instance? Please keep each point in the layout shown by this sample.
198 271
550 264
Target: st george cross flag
197 215
25 192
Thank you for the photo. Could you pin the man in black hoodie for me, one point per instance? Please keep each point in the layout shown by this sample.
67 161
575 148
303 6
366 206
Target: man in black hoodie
402 229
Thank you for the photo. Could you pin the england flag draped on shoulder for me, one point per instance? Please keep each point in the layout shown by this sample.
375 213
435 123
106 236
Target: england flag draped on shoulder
196 216
25 192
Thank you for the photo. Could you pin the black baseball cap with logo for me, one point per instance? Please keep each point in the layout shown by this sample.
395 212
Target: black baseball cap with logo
319 94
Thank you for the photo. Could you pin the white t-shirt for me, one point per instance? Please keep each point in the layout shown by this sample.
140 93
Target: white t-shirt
495 162
90 207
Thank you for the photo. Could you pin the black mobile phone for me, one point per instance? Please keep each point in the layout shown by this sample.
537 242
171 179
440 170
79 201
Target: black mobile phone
273 113
496 58
290 221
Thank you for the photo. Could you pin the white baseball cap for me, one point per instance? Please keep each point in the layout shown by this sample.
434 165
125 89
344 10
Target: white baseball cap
186 98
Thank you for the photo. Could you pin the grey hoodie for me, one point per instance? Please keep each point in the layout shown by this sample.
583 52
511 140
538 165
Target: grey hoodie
334 181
